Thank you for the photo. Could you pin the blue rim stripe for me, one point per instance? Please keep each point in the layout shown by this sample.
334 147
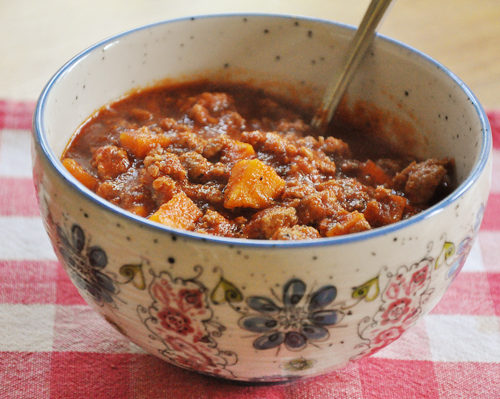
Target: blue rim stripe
39 128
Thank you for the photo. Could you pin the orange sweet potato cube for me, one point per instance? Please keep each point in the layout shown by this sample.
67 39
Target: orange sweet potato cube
80 174
375 172
140 142
252 184
237 150
179 212
139 210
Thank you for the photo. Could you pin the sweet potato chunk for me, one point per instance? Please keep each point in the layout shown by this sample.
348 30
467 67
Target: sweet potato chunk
237 150
373 173
140 142
139 210
252 184
180 212
80 174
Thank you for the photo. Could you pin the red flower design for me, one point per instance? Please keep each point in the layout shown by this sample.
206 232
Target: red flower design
394 288
385 337
418 278
191 297
173 319
396 310
411 317
189 355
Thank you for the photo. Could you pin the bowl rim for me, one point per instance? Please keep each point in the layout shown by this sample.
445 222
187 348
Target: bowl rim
38 128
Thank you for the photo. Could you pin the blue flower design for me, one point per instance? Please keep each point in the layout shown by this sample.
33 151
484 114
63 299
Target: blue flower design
461 256
300 319
85 264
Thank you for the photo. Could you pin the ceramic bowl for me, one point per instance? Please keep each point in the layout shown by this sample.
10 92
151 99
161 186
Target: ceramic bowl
263 310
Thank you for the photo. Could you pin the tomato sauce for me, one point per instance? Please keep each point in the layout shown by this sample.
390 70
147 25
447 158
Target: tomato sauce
230 160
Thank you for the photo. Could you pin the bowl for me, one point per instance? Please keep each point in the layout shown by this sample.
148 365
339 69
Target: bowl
256 310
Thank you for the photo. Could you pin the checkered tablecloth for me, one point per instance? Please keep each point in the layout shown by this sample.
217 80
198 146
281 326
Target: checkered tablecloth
52 345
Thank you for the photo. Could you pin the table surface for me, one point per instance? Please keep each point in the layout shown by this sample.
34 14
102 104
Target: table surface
39 36
53 345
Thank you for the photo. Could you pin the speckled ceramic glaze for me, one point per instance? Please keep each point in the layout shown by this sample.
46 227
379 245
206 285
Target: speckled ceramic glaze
262 310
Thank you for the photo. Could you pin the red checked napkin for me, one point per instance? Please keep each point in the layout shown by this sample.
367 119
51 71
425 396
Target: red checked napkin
52 345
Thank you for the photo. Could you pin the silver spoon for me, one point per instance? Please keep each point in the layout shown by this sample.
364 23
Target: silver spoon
356 51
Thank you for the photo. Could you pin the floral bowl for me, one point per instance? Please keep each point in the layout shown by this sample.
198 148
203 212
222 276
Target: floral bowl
263 310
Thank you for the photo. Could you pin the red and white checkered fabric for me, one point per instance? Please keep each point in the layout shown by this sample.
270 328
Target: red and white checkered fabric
52 345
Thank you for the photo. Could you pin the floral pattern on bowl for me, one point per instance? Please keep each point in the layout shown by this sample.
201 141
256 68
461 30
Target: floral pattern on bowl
300 318
248 310
179 312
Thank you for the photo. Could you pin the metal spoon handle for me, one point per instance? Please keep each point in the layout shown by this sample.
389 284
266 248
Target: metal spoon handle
359 45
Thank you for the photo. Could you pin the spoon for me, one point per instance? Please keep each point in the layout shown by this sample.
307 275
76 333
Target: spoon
356 51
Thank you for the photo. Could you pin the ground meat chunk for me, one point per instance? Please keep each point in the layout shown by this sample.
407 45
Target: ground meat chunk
109 191
187 140
212 222
110 161
296 189
303 167
127 192
313 162
196 165
219 172
164 188
200 170
349 167
351 194
271 143
201 115
215 102
163 163
325 166
214 147
231 123
208 193
419 181
344 223
296 126
317 206
170 124
297 232
210 108
334 147
266 222
385 208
